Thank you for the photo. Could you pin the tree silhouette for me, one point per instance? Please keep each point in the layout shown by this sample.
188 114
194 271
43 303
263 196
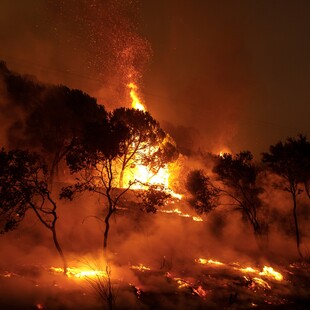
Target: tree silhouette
204 195
147 143
290 160
156 195
47 118
94 159
63 116
238 175
24 186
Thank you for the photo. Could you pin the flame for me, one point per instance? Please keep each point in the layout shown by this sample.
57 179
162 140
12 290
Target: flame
204 261
182 283
141 173
136 102
247 270
267 272
222 151
271 273
80 273
180 213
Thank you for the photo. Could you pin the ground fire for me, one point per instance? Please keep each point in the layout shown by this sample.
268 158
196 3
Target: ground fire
111 200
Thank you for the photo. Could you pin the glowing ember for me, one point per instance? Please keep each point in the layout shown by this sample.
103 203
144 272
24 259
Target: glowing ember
141 268
180 213
204 261
261 282
268 272
197 219
200 292
248 269
74 272
187 284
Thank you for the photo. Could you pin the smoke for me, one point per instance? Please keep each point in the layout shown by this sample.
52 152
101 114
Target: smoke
96 46
93 46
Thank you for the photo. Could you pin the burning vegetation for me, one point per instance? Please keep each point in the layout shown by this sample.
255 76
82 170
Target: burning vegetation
102 209
121 166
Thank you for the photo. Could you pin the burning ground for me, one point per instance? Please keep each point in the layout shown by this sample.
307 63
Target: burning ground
102 206
162 260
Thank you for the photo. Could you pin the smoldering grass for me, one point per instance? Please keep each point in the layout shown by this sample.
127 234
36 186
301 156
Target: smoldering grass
102 285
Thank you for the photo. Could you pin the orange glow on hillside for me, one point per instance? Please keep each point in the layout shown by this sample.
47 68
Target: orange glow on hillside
142 173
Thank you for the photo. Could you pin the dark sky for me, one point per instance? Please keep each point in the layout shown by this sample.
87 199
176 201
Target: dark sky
237 71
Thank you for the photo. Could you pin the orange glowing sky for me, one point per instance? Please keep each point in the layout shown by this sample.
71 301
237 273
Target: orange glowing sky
237 72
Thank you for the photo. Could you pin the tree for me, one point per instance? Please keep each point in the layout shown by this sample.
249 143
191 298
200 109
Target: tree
58 120
93 158
24 186
204 195
238 176
156 195
47 118
290 160
147 143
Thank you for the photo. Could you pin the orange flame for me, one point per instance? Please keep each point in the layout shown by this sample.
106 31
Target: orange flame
80 273
267 272
136 102
141 173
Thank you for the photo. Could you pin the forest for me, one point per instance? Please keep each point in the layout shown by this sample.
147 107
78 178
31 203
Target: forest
102 208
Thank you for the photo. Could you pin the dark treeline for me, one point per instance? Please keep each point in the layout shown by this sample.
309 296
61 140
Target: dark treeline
238 183
53 126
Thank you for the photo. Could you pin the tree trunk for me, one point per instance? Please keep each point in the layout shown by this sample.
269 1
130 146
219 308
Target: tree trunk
296 225
107 228
61 254
121 178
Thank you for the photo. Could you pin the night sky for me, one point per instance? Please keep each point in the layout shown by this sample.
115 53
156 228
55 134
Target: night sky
237 72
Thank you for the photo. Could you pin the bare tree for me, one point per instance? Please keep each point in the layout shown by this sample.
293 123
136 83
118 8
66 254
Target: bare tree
24 186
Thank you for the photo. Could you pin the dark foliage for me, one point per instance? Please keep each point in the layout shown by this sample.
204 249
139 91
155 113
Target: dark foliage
204 194
23 187
291 161
239 174
154 196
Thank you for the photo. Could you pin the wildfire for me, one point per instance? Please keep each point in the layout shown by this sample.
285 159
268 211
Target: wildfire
182 283
204 261
257 281
80 273
267 272
136 102
270 272
180 213
141 172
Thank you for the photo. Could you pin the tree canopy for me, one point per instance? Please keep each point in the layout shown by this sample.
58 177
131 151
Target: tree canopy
291 161
23 187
